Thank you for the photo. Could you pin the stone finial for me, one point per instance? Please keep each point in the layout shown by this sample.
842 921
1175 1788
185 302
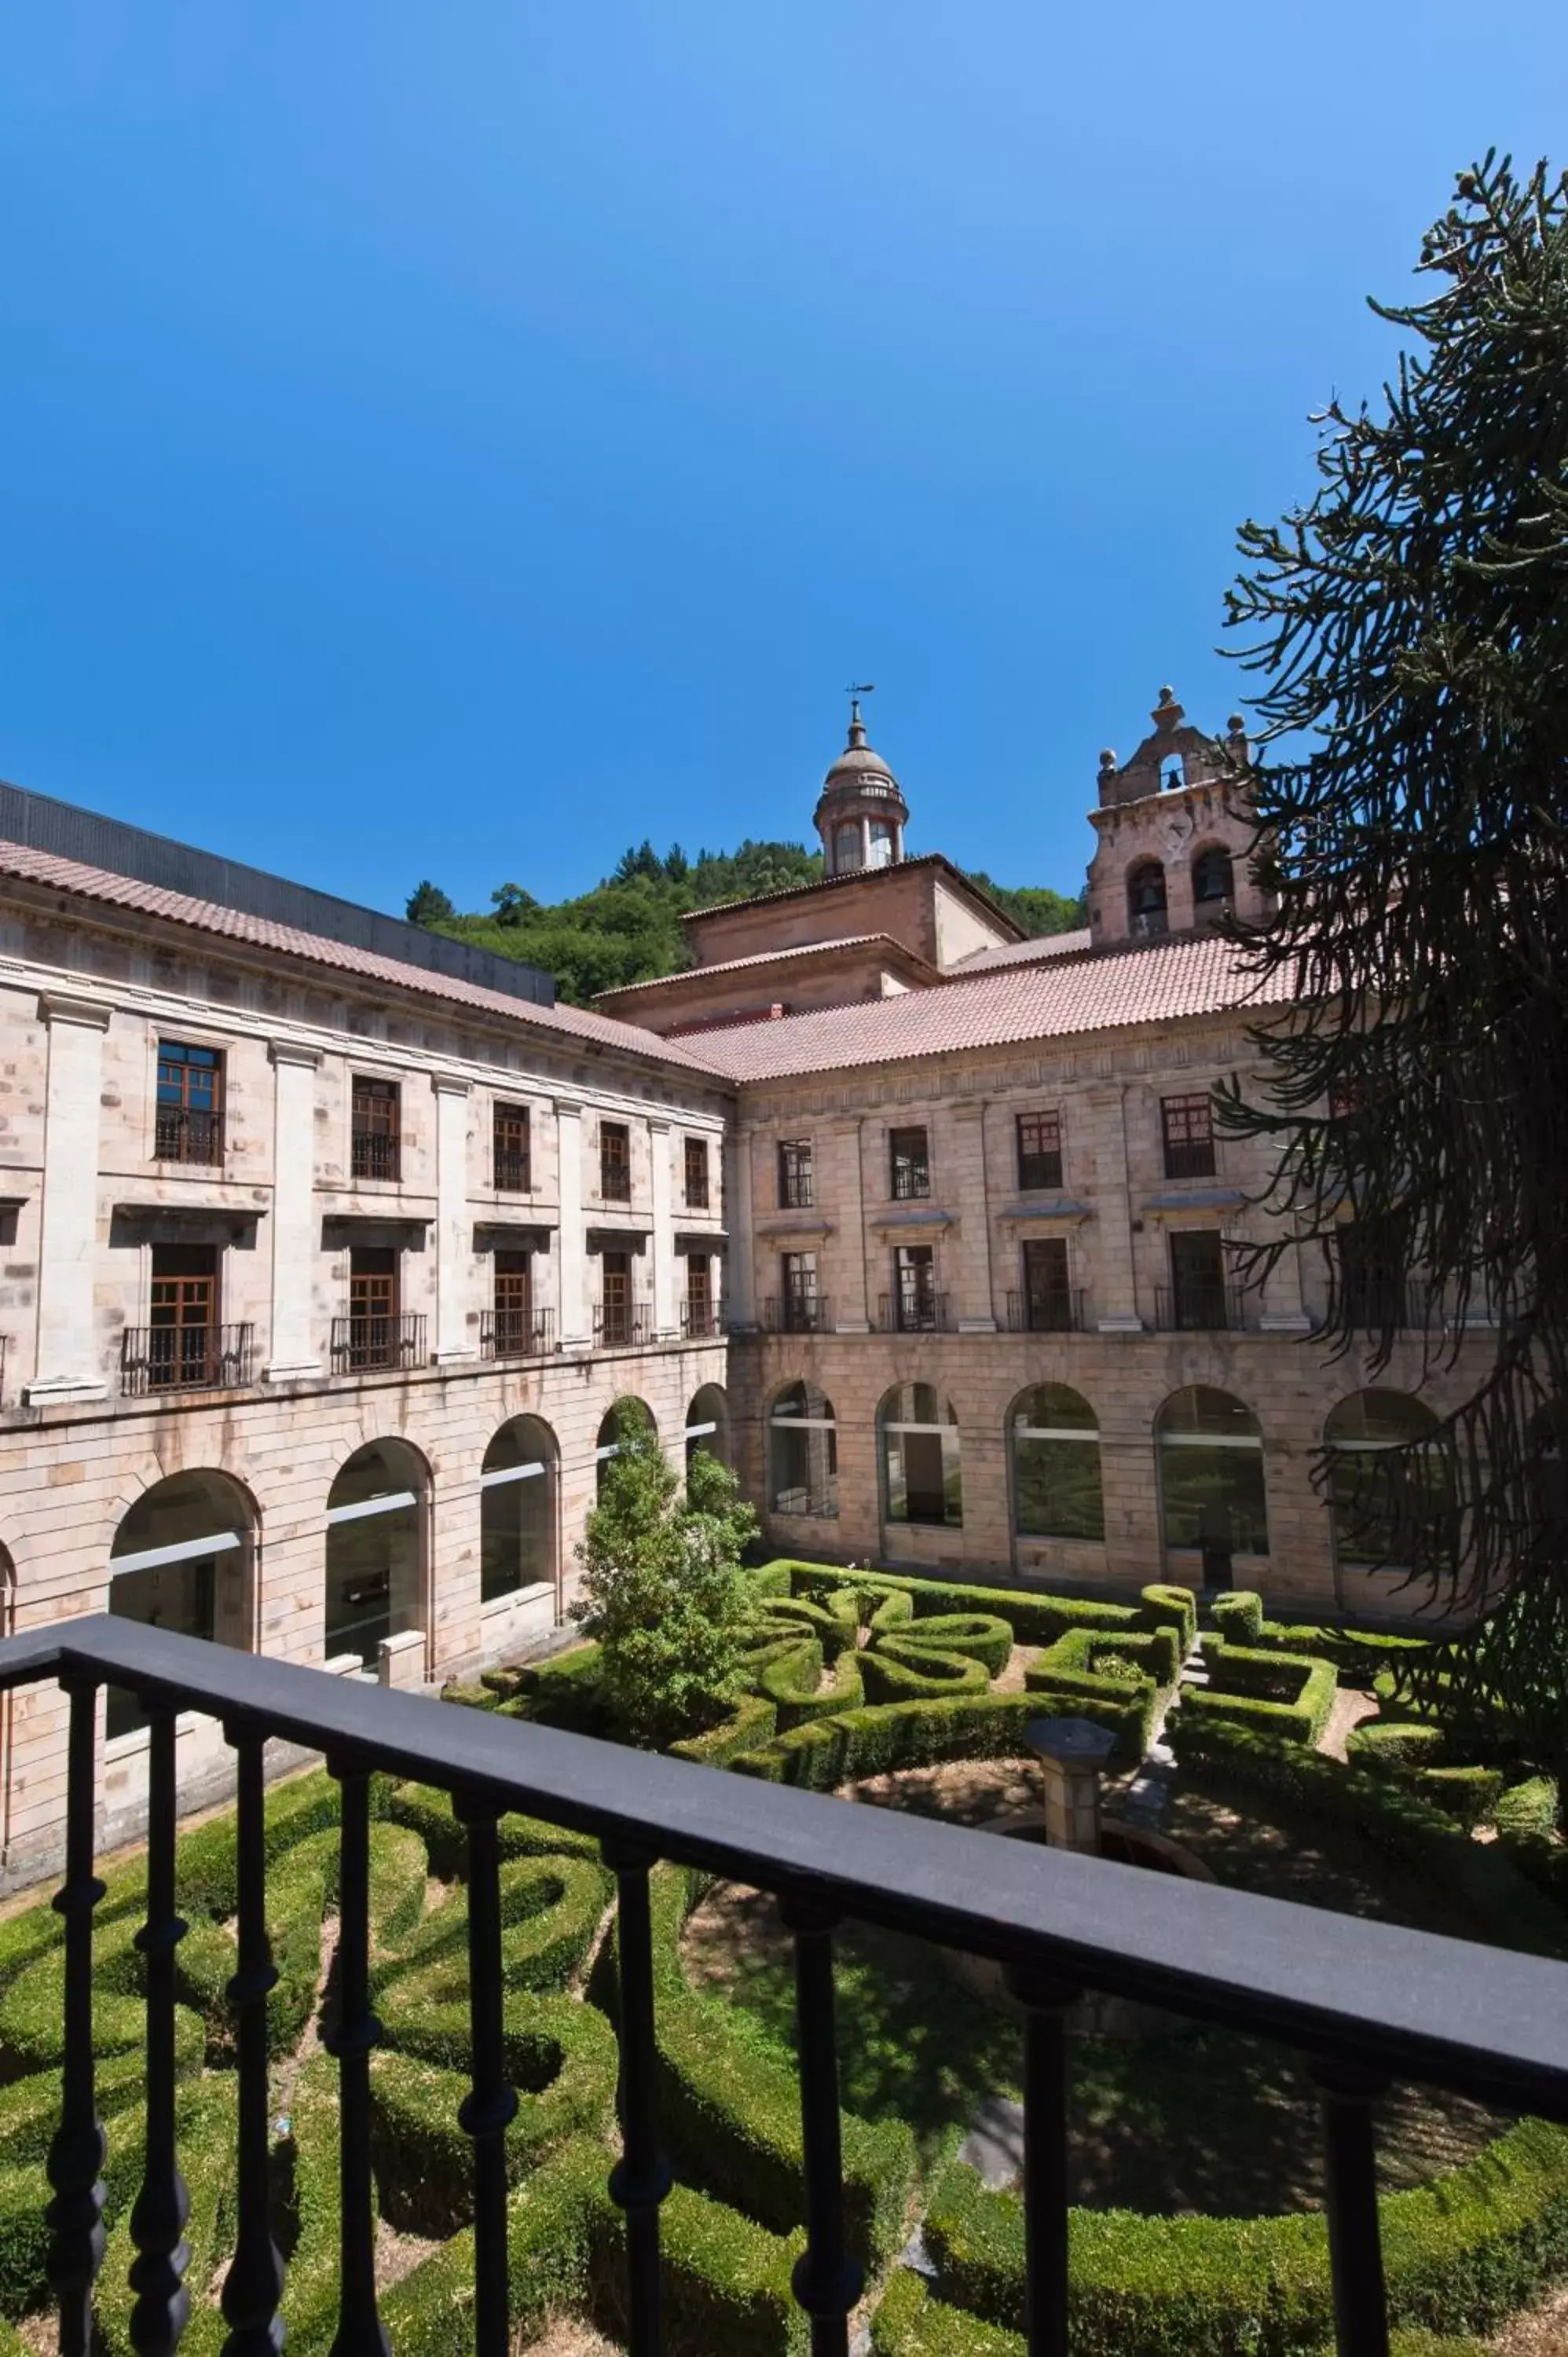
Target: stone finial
1167 713
1108 762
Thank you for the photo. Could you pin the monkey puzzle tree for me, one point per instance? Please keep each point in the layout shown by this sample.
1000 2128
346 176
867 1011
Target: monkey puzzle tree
1411 625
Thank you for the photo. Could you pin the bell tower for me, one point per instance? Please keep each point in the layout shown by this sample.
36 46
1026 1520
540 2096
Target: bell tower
1177 834
860 812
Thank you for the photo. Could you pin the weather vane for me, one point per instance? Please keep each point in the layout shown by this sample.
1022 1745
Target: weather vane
861 687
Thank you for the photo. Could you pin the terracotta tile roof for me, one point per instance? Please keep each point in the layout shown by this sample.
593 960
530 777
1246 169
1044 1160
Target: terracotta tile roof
777 957
1105 991
49 869
1032 952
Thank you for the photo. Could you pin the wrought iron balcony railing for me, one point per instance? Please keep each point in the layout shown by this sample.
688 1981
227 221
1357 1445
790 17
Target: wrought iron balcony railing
1190 1157
912 1311
622 1327
797 1191
373 1154
366 1342
516 1333
701 1320
1364 2004
184 1358
798 1313
513 1170
1195 1307
181 1133
911 1181
1057 1310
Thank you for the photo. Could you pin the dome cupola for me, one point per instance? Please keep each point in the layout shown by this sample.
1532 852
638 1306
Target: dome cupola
860 812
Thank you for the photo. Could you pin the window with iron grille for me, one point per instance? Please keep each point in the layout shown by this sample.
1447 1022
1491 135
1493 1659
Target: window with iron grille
795 1187
615 1310
1047 1295
189 1119
513 1157
513 1301
915 1289
696 1173
699 1294
183 1317
1189 1137
909 1157
615 1162
375 1128
1039 1149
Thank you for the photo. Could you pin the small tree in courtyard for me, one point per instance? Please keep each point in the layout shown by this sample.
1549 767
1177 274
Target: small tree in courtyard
661 1590
1412 625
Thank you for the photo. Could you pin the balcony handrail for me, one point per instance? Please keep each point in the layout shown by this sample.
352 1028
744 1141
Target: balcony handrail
187 1133
1056 1309
1361 2001
516 1333
798 1313
1487 2022
623 1330
911 1311
398 1337
1203 1306
702 1317
182 1358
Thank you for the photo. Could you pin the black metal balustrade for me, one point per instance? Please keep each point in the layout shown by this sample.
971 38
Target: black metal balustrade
373 1154
798 1313
796 1188
622 1326
1371 1303
516 1333
184 1358
701 1320
362 1342
1364 2004
1057 1310
912 1310
1199 1307
181 1133
911 1181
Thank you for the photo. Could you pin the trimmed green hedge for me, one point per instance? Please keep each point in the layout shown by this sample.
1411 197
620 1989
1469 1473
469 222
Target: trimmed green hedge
551 1911
1460 2254
751 1722
428 1811
1388 1747
1033 1617
1274 1693
1529 1807
857 1743
896 1672
1416 1753
833 1620
793 1684
981 1637
1238 1616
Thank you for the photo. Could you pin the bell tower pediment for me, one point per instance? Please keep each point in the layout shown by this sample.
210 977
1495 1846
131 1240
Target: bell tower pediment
1175 833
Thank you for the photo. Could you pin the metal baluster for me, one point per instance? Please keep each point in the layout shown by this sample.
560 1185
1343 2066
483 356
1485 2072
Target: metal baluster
1046 2174
79 2148
253 2284
162 2204
640 2179
487 2112
1348 2096
827 2281
359 2328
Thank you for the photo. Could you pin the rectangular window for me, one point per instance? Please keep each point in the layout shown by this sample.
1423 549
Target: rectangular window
1047 1295
615 1314
513 1155
182 1341
1371 1280
513 1304
1188 1135
909 1157
372 1306
1198 1291
1039 1150
699 1308
914 1289
800 1303
795 1191
696 1173
615 1162
374 1128
187 1121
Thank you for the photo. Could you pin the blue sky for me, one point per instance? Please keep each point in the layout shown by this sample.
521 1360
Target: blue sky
457 441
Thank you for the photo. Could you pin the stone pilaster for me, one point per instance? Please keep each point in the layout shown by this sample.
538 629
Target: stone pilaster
738 1149
975 1309
67 1366
571 1238
296 1245
665 1315
455 1338
844 1182
1116 1305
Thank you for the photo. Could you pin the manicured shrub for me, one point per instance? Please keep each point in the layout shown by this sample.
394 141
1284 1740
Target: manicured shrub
751 1722
874 1741
428 1811
898 1672
1358 1655
1034 1619
1420 1756
560 2056
430 2312
725 2282
1529 1807
894 1612
473 1693
909 2322
1240 1615
551 1912
793 1684
1388 1747
1161 1606
833 1620
205 2124
1272 1693
1467 1794
978 1636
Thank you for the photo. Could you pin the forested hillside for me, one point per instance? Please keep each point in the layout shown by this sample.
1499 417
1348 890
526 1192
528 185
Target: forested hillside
627 929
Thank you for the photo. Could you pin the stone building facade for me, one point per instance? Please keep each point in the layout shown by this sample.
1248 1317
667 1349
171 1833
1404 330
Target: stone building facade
327 1251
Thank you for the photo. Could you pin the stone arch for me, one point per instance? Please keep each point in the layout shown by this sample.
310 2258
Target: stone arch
803 1453
918 1460
520 1510
1374 1506
1208 1445
183 1558
1053 1452
707 1424
378 1549
1147 909
625 1419
1213 881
